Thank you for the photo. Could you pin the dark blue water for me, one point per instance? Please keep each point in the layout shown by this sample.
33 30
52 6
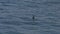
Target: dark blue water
16 16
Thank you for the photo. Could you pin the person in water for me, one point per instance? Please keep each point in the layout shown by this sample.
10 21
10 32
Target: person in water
33 17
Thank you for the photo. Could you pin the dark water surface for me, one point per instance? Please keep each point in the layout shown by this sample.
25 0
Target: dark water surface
16 16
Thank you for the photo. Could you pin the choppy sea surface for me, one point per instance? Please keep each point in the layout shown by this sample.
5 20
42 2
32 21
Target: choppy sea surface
16 16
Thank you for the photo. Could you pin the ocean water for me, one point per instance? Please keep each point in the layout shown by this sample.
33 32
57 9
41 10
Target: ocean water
16 16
